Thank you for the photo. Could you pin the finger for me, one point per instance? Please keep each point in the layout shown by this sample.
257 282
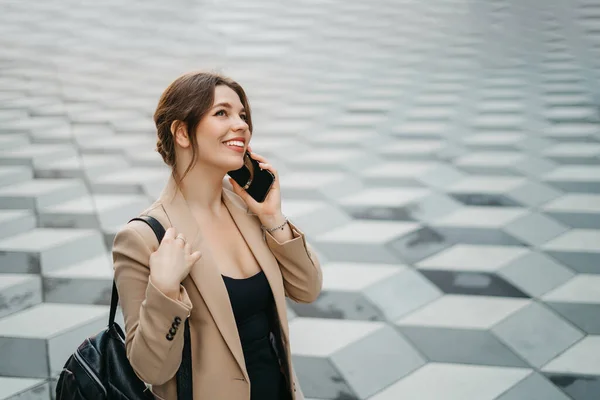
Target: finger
250 149
195 256
269 168
237 189
170 233
180 240
187 248
259 158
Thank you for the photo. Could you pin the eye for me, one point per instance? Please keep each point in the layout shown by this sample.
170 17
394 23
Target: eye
244 117
221 113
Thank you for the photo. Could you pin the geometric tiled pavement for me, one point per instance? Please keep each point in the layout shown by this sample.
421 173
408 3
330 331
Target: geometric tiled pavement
443 157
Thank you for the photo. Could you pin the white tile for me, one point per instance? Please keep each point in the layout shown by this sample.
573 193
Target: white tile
574 173
574 129
35 153
46 320
14 174
385 197
39 339
368 232
18 292
490 158
482 217
498 121
582 288
582 358
315 337
421 129
11 387
573 150
13 222
487 184
494 139
411 147
466 312
584 240
575 203
436 381
356 276
49 249
430 113
398 169
465 257
37 193
310 179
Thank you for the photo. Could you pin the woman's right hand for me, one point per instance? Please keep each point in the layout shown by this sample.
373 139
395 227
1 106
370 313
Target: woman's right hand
170 264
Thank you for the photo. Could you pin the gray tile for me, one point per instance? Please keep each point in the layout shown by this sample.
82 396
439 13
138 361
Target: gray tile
377 361
320 379
402 293
537 334
577 248
535 273
535 386
534 193
461 346
535 229
583 316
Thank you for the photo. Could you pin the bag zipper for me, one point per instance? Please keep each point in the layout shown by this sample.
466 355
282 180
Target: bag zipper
89 371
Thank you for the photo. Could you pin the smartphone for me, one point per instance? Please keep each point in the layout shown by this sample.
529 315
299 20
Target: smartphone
257 182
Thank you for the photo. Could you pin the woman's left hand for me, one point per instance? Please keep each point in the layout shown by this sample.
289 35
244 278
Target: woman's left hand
269 211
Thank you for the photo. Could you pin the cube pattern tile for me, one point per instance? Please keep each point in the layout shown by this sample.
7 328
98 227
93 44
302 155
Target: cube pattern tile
442 156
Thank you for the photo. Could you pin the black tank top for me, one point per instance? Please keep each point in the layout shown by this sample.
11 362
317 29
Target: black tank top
252 300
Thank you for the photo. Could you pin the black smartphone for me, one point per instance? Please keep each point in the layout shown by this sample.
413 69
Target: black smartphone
257 182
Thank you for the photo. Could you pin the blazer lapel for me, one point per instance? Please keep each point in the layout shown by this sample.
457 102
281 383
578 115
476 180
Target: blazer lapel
204 273
253 235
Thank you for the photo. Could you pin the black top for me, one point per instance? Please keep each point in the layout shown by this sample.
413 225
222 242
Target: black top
252 300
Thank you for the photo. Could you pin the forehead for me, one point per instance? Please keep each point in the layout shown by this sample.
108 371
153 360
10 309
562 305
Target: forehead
224 94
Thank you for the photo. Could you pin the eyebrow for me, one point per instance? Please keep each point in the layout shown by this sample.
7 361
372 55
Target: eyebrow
227 105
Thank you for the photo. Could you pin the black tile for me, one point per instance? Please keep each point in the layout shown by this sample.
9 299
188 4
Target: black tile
321 380
472 283
419 245
485 200
381 213
339 305
482 236
577 386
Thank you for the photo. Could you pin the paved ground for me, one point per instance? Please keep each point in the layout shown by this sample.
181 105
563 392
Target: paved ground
442 155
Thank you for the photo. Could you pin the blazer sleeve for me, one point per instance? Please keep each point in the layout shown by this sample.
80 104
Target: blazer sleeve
150 316
300 268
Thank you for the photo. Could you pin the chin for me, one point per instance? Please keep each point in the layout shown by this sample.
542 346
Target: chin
234 164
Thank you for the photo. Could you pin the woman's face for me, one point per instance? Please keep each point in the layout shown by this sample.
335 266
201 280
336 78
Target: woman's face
223 134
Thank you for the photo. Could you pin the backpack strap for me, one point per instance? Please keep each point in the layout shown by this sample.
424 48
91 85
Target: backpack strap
184 373
159 231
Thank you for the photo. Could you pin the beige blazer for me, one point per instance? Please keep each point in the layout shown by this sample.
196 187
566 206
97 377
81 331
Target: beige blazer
219 370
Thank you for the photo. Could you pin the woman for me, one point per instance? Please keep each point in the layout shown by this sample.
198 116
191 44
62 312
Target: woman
226 262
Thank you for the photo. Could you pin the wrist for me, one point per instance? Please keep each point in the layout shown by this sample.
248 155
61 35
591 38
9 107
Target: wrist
272 220
169 289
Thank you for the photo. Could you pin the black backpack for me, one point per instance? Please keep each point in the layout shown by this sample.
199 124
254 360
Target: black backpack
99 368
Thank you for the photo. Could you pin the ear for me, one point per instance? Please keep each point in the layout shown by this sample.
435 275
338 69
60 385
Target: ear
180 134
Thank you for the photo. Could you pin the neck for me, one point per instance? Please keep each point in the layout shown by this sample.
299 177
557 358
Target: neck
202 188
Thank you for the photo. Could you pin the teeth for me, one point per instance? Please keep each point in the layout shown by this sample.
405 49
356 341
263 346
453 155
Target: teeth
235 143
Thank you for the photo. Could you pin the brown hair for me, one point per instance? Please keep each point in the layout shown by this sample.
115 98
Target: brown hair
188 99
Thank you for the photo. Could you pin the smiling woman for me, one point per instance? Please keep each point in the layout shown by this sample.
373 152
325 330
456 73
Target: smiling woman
184 104
226 263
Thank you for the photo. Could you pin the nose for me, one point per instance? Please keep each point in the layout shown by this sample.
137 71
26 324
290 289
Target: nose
240 124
